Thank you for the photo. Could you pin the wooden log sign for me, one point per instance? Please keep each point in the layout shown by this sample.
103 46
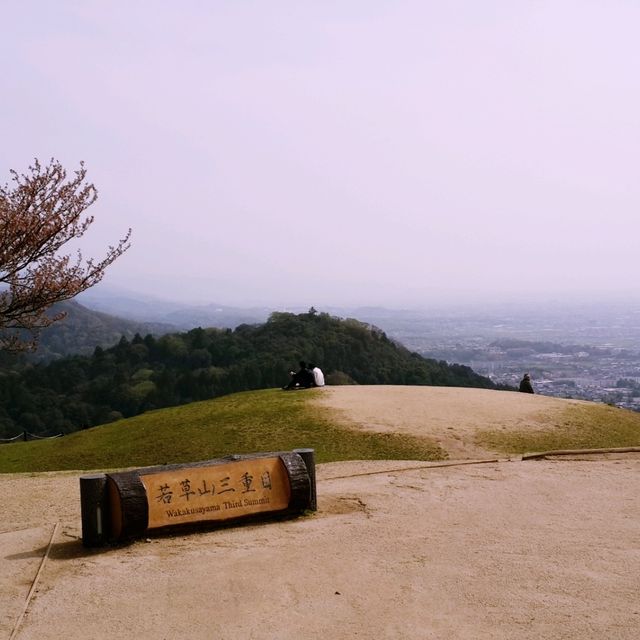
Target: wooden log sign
215 491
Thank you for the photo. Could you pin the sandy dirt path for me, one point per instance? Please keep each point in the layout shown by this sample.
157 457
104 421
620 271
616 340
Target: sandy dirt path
532 550
452 417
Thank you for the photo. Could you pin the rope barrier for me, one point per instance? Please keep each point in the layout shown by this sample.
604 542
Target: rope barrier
459 463
27 435
34 584
11 439
36 437
579 452
436 465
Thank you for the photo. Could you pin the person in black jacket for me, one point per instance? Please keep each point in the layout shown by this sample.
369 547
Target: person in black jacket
302 379
525 384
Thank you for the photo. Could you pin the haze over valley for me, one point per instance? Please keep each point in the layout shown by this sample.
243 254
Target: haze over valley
585 350
349 154
467 163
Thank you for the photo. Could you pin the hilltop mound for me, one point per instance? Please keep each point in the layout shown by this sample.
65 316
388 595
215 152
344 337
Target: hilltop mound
408 550
454 418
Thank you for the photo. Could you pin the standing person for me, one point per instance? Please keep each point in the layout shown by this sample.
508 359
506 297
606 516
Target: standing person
318 376
525 384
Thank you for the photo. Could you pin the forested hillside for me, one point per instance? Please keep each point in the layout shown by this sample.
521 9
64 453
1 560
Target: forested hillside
82 329
148 373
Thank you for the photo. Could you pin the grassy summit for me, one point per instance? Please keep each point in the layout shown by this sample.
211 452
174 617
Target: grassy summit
267 420
271 419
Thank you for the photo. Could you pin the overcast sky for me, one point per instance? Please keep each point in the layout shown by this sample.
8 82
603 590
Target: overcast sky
348 152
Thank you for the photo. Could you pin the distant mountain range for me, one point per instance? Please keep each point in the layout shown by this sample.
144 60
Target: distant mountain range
144 308
181 316
102 318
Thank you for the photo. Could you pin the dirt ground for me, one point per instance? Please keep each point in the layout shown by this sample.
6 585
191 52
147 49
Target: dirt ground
455 550
452 418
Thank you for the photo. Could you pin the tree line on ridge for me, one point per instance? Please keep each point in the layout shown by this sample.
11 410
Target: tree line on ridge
146 373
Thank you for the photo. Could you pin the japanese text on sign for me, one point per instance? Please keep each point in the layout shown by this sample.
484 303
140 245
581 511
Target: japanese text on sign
217 492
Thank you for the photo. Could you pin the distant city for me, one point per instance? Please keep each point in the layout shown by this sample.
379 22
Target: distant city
588 352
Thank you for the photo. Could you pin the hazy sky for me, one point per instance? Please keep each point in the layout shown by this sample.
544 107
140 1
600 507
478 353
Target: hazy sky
347 152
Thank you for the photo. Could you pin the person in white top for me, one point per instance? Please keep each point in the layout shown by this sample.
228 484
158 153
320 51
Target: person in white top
318 376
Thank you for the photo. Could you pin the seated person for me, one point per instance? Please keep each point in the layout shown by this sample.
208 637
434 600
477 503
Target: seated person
318 376
303 379
525 384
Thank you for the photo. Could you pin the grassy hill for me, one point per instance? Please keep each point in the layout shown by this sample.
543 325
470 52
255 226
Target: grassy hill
583 426
267 420
82 329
